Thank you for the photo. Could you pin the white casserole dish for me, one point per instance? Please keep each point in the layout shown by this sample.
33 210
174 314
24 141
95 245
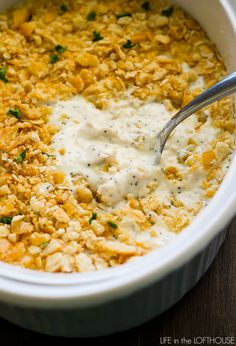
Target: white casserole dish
116 299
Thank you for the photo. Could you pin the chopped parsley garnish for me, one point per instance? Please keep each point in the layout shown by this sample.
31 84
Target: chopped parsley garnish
167 11
54 59
93 217
45 244
60 49
15 112
128 44
112 224
92 16
125 14
6 220
21 157
97 36
146 5
3 71
64 8
48 155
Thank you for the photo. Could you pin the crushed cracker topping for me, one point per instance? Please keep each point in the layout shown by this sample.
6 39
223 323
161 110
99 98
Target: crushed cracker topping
52 51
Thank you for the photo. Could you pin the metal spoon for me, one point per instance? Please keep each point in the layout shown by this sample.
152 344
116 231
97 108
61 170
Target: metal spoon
225 87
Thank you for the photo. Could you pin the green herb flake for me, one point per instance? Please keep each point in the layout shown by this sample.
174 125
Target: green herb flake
3 72
64 8
146 5
48 155
54 59
167 11
93 217
112 224
128 44
15 112
21 157
60 49
91 16
45 244
125 14
96 36
6 220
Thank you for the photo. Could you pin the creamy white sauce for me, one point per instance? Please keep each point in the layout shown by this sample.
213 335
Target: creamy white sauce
157 235
112 149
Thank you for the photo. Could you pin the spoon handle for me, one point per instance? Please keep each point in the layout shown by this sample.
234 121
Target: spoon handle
225 87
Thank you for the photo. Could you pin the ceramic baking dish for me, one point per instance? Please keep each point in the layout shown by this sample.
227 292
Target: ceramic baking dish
106 302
